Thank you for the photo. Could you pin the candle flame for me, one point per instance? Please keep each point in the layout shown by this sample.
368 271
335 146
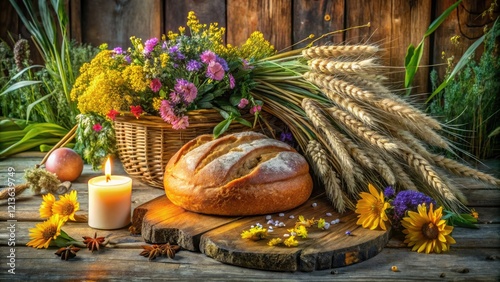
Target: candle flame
107 170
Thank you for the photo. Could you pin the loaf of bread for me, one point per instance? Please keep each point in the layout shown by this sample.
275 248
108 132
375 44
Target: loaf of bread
239 174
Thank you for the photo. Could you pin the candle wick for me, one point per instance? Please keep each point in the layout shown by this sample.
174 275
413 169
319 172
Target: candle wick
108 177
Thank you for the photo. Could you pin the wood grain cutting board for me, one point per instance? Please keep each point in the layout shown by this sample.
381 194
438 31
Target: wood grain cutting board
159 221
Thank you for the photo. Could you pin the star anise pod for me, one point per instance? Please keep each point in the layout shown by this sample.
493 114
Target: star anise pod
151 252
67 252
170 250
93 243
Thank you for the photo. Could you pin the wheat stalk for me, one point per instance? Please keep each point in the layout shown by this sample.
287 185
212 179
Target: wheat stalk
323 169
402 109
340 86
327 66
349 105
359 51
360 130
402 178
381 167
463 170
322 124
425 170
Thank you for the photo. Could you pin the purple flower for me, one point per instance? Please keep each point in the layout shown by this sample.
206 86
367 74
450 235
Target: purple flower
208 56
155 85
164 45
223 63
408 200
286 137
243 103
150 44
215 71
128 59
176 53
118 51
193 65
232 81
389 192
246 65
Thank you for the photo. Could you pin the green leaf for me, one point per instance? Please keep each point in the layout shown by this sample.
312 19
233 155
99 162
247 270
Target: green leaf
224 114
206 98
460 65
412 67
205 105
409 53
243 121
222 127
437 22
19 85
231 109
30 106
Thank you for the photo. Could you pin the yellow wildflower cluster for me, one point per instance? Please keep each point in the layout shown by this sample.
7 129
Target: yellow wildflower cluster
256 47
255 233
105 84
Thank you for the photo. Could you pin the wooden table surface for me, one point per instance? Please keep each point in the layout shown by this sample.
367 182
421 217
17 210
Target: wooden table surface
475 257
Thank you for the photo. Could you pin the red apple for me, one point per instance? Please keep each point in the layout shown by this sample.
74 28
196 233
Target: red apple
65 163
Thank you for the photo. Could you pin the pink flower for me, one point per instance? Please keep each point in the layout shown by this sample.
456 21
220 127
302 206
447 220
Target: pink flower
112 114
166 111
175 97
136 111
232 81
150 44
180 123
255 109
97 127
155 85
215 71
208 56
243 103
187 89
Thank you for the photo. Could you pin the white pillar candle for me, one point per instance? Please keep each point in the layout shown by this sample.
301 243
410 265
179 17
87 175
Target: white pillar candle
110 200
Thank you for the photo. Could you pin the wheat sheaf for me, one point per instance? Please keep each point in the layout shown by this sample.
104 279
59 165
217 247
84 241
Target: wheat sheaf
355 131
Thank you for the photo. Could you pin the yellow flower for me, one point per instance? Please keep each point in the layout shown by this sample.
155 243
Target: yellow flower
254 233
321 223
45 232
274 242
304 222
66 206
426 231
291 242
301 231
46 206
371 209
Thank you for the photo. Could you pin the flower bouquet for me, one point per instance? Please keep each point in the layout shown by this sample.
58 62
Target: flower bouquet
164 92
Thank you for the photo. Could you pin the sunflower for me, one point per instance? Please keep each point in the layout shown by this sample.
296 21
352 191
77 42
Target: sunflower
46 206
67 206
371 209
45 232
426 231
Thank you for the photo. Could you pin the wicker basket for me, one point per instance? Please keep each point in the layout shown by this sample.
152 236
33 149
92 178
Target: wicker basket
146 145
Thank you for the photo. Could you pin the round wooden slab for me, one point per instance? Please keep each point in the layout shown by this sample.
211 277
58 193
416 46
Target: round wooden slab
159 221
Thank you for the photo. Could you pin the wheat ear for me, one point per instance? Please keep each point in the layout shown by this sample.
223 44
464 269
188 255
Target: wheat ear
382 167
359 51
329 177
321 123
340 86
350 106
335 67
425 170
402 109
402 178
463 170
363 132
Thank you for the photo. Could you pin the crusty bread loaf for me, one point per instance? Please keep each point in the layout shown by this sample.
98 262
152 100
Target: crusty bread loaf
239 174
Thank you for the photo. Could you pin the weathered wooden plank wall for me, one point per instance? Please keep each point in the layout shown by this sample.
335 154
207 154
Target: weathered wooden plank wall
394 24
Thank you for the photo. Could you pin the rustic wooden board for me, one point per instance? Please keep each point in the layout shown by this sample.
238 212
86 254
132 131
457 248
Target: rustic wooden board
218 237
